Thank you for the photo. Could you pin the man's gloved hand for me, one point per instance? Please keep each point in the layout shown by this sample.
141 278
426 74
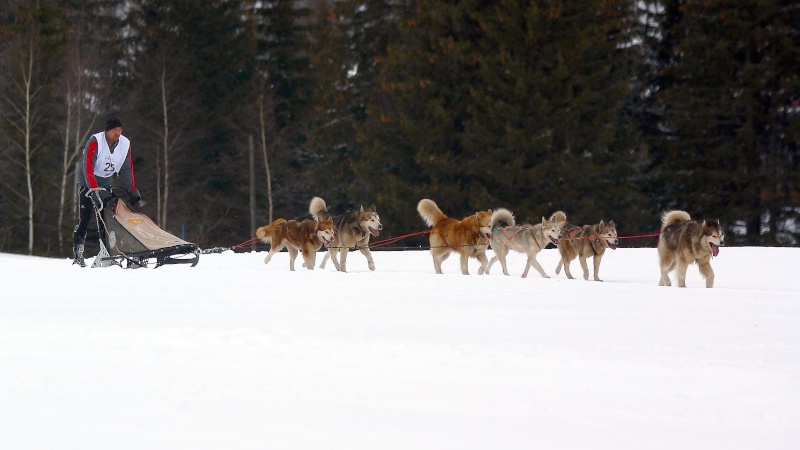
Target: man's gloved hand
135 197
99 196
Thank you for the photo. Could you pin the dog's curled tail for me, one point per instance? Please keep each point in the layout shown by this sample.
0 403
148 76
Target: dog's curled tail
502 217
559 217
671 217
265 233
318 209
430 212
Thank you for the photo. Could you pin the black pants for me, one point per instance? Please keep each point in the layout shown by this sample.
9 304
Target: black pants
86 212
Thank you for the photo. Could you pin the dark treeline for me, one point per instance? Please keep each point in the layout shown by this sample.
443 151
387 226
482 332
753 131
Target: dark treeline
605 109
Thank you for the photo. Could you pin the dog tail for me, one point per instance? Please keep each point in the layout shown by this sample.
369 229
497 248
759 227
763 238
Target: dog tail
502 217
319 209
430 213
671 217
265 233
559 217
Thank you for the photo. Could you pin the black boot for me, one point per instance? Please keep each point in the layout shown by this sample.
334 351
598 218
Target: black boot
77 249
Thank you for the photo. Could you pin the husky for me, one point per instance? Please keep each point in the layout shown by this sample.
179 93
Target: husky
584 242
528 239
306 237
467 237
353 229
684 241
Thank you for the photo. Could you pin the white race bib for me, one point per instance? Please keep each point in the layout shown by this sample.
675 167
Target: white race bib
108 163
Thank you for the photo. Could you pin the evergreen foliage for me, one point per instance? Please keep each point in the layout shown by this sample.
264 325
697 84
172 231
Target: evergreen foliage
493 101
730 93
605 109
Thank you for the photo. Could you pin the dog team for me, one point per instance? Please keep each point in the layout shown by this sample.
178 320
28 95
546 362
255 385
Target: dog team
682 241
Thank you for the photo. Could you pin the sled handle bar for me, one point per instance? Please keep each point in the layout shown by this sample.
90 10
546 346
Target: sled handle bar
115 190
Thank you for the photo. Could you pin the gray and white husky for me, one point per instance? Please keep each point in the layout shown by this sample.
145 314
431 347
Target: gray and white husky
527 239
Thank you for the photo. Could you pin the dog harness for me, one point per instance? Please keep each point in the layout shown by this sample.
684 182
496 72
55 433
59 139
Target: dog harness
519 230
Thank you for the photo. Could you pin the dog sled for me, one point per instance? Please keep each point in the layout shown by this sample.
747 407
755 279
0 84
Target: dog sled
132 238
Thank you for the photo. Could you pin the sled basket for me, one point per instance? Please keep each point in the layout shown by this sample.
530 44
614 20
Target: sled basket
134 238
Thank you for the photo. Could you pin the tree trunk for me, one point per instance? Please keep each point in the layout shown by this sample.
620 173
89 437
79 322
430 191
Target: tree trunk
165 203
28 149
252 186
263 122
65 163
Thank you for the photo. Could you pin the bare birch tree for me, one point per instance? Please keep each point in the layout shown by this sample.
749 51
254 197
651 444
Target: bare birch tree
79 120
262 116
173 105
21 115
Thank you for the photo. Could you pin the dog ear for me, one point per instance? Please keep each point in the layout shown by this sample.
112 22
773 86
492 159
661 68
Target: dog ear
611 223
601 225
372 208
544 221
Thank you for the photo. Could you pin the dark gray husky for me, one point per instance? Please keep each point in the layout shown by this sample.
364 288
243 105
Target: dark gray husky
353 230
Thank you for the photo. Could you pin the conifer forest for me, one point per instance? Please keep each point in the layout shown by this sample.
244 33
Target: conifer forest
241 111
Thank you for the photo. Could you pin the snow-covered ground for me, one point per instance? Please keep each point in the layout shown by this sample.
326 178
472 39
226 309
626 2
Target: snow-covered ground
233 354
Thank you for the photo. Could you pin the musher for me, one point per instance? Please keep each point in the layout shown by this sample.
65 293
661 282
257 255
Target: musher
107 154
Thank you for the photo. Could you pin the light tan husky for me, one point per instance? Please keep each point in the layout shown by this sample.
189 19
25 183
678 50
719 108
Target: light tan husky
528 239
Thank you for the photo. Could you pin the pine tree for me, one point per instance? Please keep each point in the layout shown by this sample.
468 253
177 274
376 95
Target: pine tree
350 41
731 83
283 95
191 64
489 104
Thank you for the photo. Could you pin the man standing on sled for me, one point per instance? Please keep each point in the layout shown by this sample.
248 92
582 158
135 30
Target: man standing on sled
106 154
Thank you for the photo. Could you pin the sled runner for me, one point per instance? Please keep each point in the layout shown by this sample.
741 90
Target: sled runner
134 238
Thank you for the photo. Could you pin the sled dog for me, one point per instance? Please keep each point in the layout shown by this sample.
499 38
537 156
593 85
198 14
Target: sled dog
467 237
305 236
528 239
353 229
584 242
684 241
